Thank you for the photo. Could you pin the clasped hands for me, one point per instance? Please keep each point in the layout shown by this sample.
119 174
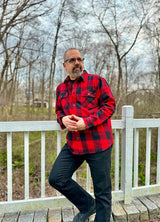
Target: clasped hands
74 123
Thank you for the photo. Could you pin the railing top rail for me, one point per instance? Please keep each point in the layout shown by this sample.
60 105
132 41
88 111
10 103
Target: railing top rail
25 126
117 124
146 123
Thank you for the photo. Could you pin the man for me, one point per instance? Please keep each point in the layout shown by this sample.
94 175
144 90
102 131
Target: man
84 105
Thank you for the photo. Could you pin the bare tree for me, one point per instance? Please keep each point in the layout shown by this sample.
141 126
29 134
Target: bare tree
116 19
14 15
43 68
53 59
152 29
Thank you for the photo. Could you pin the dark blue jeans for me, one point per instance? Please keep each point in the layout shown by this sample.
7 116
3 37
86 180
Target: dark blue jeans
61 179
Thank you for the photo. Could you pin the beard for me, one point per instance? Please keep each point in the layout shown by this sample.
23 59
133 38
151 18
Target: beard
77 71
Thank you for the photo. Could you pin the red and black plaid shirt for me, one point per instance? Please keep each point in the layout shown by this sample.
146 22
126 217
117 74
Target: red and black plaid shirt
88 97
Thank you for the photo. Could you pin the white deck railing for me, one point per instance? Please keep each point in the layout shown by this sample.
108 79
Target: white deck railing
125 131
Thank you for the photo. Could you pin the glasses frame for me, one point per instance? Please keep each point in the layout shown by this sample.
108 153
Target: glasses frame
73 60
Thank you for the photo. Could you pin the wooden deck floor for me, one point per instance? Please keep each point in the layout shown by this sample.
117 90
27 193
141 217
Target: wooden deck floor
141 209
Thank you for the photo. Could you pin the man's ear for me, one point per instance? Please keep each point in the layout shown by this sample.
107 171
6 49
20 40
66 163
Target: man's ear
64 65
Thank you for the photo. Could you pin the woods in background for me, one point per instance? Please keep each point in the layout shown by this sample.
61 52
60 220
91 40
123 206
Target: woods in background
119 41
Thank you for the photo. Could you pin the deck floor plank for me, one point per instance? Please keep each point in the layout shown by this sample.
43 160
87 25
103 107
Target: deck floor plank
1 217
26 216
155 199
152 207
142 209
10 217
54 215
133 213
119 214
67 214
41 215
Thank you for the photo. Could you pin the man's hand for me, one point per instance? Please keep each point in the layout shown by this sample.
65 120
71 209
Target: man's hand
69 123
80 122
74 123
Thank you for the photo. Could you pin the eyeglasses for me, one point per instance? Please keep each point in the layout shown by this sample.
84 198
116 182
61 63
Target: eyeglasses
73 60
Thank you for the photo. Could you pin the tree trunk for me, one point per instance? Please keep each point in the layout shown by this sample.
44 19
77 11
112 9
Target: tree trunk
53 64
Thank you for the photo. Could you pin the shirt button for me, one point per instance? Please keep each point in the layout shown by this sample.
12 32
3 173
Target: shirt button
74 104
78 138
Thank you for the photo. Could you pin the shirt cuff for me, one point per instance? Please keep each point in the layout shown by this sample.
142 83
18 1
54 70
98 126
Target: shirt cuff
89 122
59 120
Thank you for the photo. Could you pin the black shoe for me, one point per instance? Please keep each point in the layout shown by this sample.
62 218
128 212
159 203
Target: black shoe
82 217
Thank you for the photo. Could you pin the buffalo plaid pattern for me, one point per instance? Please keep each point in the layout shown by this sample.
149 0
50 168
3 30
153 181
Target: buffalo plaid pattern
88 97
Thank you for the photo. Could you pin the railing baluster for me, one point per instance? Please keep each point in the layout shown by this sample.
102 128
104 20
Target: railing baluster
127 153
26 168
158 158
58 149
58 142
9 165
136 149
148 156
42 164
116 159
88 179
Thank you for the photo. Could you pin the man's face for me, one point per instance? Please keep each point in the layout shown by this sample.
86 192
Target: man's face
73 64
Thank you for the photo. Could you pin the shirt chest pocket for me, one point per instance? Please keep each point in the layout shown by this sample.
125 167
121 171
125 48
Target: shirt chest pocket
89 99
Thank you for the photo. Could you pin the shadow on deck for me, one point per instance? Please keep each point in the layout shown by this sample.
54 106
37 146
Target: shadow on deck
141 209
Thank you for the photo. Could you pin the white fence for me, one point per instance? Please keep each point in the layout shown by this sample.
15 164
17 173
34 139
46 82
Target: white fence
126 148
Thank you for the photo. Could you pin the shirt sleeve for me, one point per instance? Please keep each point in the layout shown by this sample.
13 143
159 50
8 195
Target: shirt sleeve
59 110
106 105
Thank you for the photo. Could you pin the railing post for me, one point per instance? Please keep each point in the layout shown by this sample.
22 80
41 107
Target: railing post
9 165
158 158
127 153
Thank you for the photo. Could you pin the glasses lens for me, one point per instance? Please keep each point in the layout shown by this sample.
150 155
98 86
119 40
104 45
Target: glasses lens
79 59
72 60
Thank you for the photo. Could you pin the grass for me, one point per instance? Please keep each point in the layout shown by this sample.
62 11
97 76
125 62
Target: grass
3 158
17 164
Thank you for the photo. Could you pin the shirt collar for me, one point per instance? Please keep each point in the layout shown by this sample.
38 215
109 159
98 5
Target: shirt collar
82 77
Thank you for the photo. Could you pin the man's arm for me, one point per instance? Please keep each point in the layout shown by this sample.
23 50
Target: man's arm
106 106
